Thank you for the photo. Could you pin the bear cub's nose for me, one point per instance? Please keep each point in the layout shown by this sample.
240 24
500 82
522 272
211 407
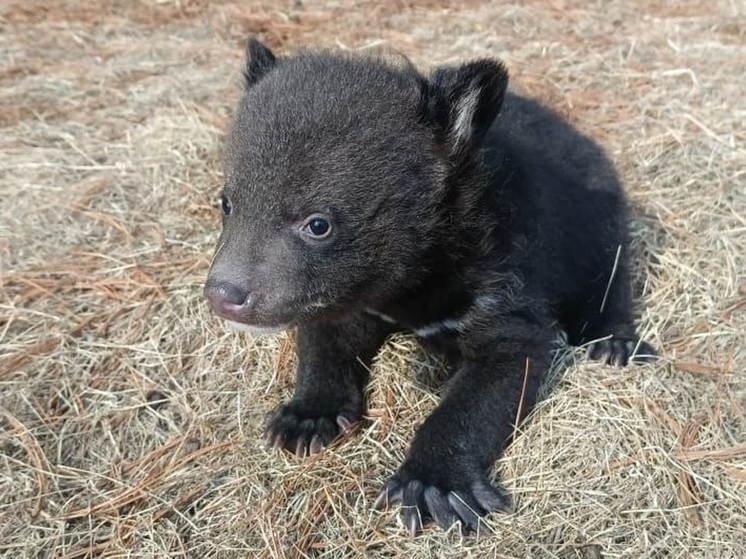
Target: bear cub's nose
225 298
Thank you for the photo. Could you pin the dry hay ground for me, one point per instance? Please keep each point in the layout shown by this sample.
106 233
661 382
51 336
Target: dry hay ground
130 419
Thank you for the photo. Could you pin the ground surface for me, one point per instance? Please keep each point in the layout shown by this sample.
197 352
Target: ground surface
130 419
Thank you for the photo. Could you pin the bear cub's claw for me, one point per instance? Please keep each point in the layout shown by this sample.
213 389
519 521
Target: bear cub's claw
420 502
303 434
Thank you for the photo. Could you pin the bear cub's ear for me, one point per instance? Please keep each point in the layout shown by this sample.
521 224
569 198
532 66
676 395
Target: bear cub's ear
463 101
259 61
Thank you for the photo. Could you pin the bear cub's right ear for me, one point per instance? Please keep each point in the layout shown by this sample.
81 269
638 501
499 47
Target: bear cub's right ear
259 61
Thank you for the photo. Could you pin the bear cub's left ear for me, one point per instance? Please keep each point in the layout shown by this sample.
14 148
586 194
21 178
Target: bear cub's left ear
463 101
259 61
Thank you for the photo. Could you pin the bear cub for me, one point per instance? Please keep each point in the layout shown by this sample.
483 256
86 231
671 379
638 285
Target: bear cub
363 198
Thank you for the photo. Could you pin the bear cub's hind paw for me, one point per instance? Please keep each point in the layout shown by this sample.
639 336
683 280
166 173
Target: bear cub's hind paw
620 351
304 434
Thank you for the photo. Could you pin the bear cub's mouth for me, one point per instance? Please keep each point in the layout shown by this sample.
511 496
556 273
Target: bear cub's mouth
253 329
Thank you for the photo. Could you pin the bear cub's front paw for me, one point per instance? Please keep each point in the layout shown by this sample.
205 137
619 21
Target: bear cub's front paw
463 497
295 428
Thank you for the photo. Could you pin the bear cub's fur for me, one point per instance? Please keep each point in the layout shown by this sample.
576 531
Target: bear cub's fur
362 198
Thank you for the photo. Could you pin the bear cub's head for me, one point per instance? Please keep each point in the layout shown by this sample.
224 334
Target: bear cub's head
337 179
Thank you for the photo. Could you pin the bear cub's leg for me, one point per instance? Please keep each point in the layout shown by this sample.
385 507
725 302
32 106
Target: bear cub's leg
445 476
333 362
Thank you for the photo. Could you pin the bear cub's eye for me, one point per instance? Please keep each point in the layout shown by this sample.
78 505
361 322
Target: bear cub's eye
317 227
226 205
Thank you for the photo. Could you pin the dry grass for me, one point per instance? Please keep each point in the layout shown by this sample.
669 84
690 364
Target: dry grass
129 417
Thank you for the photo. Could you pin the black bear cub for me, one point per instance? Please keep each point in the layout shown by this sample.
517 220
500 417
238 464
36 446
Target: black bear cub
362 198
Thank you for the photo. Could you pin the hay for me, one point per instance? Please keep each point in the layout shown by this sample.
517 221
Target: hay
130 419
